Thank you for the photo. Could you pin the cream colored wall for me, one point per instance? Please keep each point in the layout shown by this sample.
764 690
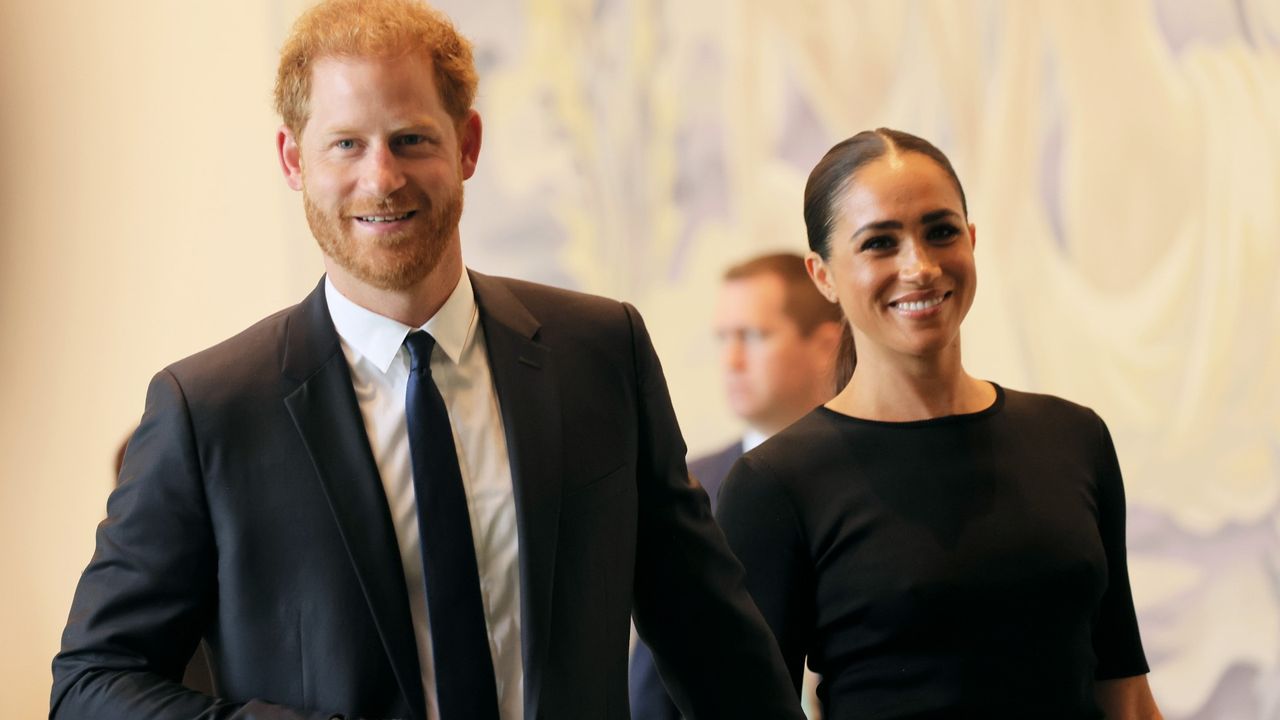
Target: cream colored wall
141 218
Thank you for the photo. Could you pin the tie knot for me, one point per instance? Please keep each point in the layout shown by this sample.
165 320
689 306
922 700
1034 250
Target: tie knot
419 343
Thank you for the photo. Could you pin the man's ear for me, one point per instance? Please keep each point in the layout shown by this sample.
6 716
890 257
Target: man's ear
973 235
827 336
821 276
470 133
290 157
824 346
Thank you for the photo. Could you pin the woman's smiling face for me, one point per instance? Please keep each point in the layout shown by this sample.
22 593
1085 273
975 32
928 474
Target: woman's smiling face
900 256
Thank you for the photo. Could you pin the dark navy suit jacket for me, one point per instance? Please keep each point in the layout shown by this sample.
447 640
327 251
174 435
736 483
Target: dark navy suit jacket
250 514
649 698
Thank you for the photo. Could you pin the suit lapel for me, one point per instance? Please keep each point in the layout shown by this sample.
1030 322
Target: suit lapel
327 416
528 394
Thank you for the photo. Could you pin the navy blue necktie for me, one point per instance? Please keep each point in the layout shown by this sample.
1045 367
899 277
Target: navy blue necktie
465 687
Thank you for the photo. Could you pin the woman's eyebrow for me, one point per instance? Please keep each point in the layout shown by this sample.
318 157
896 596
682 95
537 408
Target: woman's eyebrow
937 215
878 225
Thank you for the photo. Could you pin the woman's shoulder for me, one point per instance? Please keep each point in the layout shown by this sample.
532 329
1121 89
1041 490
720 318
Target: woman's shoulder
1029 410
798 450
779 482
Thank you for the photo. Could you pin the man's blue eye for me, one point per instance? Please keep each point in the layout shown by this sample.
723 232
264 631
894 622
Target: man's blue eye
345 144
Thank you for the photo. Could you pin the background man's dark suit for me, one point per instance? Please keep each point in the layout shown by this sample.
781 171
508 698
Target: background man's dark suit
649 699
711 470
778 339
251 513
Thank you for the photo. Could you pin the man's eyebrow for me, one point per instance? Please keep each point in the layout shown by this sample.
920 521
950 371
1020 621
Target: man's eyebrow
419 126
339 130
412 126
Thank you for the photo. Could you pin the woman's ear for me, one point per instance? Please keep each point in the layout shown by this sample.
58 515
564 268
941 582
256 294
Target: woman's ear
821 276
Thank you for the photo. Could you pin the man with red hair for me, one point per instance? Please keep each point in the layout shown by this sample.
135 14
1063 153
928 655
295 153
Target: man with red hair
422 492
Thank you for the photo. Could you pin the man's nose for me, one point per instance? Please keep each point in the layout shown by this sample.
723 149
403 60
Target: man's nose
732 354
381 175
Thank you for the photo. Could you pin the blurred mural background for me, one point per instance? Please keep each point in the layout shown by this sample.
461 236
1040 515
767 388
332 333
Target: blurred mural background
1122 160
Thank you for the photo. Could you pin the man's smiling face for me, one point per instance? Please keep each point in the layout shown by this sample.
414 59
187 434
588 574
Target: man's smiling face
381 165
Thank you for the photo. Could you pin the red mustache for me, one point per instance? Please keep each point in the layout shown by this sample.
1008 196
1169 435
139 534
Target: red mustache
394 204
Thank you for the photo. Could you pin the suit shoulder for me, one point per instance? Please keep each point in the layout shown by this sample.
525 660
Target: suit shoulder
252 353
711 470
551 300
590 322
722 458
716 465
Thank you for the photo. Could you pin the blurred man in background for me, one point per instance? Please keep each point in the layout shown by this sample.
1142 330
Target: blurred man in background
778 339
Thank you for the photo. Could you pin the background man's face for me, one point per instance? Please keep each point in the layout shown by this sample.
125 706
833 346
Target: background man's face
382 167
771 370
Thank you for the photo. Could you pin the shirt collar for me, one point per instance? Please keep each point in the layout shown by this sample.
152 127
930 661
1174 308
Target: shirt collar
378 338
751 439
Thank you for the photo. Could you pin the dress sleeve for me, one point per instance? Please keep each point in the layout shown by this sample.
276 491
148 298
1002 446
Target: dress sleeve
760 521
1116 641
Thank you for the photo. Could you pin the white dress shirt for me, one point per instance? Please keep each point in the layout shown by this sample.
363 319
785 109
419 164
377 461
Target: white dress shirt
374 349
751 439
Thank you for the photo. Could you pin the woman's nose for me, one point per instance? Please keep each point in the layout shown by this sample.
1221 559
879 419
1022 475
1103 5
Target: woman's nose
918 263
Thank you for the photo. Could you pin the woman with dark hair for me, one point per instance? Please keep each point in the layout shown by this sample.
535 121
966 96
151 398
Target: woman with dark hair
937 545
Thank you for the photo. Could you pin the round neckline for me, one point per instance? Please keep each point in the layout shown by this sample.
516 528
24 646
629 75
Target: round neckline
986 412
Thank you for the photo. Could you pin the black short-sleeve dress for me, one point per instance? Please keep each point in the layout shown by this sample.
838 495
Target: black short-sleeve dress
964 566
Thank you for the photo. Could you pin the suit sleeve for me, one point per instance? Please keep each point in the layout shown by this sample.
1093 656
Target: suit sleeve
649 698
712 648
763 530
146 595
1116 642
